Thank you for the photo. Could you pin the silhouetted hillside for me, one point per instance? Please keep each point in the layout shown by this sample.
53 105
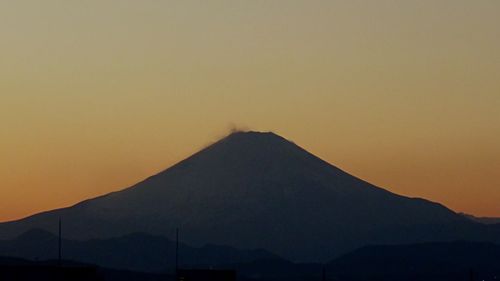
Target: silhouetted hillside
428 261
14 269
485 220
258 190
452 261
140 252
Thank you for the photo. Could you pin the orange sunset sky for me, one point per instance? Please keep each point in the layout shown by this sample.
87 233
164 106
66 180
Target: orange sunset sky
96 95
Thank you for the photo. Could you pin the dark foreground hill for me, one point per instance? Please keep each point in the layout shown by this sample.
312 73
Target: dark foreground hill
258 190
139 252
14 269
428 261
452 261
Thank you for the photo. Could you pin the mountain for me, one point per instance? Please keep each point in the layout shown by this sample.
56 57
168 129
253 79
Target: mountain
436 261
485 220
427 261
138 252
258 190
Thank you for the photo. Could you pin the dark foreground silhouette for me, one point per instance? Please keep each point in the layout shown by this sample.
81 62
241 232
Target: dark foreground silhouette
13 269
427 262
139 251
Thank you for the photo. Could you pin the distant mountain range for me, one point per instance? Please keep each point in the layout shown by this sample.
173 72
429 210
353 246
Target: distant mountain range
138 252
441 261
255 190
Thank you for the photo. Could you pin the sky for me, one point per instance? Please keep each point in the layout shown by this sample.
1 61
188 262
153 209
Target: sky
97 95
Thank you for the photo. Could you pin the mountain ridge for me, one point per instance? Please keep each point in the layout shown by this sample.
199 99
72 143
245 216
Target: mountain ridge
134 251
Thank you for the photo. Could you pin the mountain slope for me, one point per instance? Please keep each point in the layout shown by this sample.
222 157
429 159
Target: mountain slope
485 220
137 251
426 261
258 190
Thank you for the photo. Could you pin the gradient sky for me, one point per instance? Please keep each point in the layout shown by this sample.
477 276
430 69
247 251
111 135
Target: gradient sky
96 95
